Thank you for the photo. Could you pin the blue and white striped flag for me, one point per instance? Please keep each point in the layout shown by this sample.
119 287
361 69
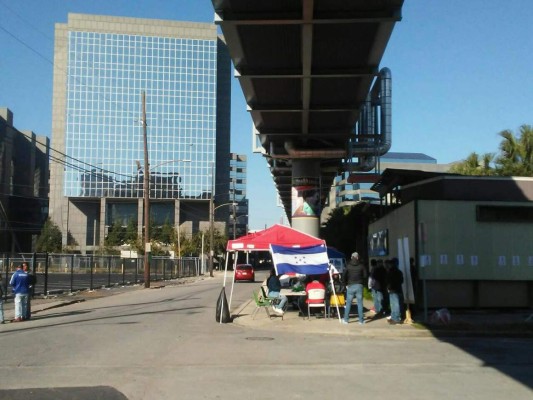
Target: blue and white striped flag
311 260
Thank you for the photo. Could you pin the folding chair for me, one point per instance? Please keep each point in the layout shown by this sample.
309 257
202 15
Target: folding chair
263 302
316 298
273 301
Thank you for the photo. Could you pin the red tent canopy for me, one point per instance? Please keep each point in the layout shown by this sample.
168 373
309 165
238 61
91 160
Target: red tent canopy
276 234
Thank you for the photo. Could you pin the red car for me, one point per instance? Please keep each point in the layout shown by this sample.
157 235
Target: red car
244 272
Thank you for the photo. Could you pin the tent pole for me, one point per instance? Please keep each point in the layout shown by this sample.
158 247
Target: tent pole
233 280
224 285
226 269
334 294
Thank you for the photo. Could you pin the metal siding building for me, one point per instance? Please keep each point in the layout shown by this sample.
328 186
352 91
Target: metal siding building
470 236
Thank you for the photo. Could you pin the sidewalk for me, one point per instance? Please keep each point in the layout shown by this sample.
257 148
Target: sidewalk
41 303
464 323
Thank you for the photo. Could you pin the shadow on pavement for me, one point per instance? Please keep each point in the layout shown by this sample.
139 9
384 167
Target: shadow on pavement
70 393
500 339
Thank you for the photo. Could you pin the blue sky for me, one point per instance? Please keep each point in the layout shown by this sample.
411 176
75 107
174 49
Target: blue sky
462 72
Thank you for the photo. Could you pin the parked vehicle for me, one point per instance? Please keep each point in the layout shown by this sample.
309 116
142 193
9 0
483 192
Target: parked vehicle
244 272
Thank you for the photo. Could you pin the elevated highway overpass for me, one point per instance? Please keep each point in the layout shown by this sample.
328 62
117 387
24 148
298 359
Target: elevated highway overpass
319 101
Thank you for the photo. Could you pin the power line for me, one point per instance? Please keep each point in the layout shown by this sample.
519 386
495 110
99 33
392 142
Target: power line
91 88
26 45
5 5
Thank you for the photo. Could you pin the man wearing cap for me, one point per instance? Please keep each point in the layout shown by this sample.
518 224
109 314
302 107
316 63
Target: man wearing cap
353 278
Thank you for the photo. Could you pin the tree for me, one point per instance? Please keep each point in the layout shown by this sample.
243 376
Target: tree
50 239
131 236
514 159
192 246
475 165
116 235
167 234
157 250
187 246
516 153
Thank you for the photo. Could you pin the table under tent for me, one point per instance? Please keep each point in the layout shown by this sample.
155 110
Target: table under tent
282 237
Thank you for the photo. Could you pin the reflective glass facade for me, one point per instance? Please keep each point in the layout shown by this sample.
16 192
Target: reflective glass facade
238 221
107 73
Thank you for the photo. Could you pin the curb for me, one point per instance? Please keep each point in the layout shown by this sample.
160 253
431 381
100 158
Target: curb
242 317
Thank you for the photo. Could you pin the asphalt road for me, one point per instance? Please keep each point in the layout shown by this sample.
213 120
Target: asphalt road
165 344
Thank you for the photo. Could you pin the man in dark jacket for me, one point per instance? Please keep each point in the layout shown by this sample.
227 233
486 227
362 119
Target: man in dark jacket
353 278
32 280
394 287
378 277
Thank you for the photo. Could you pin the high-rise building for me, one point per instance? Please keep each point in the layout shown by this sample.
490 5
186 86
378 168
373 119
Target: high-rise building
102 67
23 186
238 221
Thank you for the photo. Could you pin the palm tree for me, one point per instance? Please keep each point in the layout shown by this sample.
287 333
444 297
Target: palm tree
475 165
516 158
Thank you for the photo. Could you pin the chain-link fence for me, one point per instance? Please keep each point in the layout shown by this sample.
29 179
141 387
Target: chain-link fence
57 273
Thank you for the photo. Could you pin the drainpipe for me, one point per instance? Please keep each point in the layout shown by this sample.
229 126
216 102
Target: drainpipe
367 141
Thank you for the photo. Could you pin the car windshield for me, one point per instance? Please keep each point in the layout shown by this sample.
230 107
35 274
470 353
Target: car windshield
242 267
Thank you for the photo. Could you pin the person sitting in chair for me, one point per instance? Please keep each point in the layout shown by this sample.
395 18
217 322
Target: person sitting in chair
274 288
315 284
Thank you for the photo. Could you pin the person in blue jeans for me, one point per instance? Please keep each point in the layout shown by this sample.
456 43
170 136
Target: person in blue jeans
353 278
21 288
274 288
378 280
1 301
394 287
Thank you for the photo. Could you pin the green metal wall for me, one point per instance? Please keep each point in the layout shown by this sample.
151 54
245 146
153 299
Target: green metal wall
454 245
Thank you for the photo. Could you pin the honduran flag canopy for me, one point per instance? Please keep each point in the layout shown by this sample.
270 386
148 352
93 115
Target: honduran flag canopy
276 234
309 260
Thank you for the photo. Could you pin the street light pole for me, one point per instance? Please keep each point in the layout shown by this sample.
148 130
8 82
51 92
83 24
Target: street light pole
146 198
234 223
234 211
212 210
211 219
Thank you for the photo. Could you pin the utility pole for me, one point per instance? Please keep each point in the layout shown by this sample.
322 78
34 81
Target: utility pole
234 213
211 219
146 199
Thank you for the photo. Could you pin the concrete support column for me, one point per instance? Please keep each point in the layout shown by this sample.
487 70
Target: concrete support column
306 196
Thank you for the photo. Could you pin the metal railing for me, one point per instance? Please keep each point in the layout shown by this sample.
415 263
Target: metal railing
57 273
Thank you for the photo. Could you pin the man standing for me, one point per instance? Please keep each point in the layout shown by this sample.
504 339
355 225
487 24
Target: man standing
31 290
378 275
353 278
21 288
1 301
394 287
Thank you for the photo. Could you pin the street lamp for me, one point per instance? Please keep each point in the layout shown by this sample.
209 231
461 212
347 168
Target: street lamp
212 228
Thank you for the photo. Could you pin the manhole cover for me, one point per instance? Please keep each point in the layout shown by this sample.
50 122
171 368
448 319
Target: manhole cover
259 338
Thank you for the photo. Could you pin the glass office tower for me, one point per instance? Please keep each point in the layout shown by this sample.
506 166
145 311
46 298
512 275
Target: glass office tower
103 65
238 221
